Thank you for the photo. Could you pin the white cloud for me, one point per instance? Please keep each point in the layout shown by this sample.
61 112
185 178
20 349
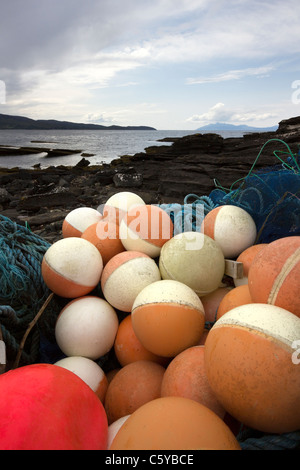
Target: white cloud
259 72
220 113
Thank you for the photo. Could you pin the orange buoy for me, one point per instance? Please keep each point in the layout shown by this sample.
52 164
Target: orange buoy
146 228
185 377
274 275
129 349
134 384
174 423
231 227
246 257
237 296
167 317
249 365
105 236
212 301
72 267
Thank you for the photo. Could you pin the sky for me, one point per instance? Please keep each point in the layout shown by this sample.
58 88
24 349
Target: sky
169 64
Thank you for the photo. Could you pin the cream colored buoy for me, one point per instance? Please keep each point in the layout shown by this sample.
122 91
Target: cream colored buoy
78 220
89 371
86 327
119 204
125 275
72 267
231 227
193 259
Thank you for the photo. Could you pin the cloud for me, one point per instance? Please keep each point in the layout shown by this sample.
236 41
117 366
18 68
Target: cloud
259 72
220 113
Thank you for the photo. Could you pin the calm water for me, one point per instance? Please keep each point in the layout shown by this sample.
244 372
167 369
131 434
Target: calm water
105 145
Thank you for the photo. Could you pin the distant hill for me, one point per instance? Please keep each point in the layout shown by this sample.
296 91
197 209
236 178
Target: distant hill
20 122
222 126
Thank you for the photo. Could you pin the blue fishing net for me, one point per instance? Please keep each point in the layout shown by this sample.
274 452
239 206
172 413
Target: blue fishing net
270 195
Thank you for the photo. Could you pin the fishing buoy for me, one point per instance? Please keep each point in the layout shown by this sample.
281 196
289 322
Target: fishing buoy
86 327
146 228
135 384
246 258
167 317
125 275
113 429
251 367
119 204
212 301
72 267
185 377
78 220
274 275
105 236
88 371
46 407
128 347
236 297
231 227
174 423
193 259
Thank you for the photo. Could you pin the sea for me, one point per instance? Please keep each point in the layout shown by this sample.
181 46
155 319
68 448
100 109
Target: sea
100 146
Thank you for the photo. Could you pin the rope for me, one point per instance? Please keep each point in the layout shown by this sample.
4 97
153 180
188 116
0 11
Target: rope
189 216
22 289
251 440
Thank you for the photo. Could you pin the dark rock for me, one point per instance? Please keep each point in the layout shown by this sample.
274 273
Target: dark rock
34 203
83 163
4 196
128 180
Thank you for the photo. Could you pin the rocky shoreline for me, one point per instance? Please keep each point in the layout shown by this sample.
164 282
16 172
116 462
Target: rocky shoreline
41 198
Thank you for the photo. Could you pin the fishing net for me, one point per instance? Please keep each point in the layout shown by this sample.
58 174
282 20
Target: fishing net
271 195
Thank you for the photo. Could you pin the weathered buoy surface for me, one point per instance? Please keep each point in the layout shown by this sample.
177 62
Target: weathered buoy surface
78 220
134 384
125 275
193 259
231 227
174 423
168 317
86 327
89 371
274 275
251 367
146 228
72 267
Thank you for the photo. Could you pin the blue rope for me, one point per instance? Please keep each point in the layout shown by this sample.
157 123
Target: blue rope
189 216
22 289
